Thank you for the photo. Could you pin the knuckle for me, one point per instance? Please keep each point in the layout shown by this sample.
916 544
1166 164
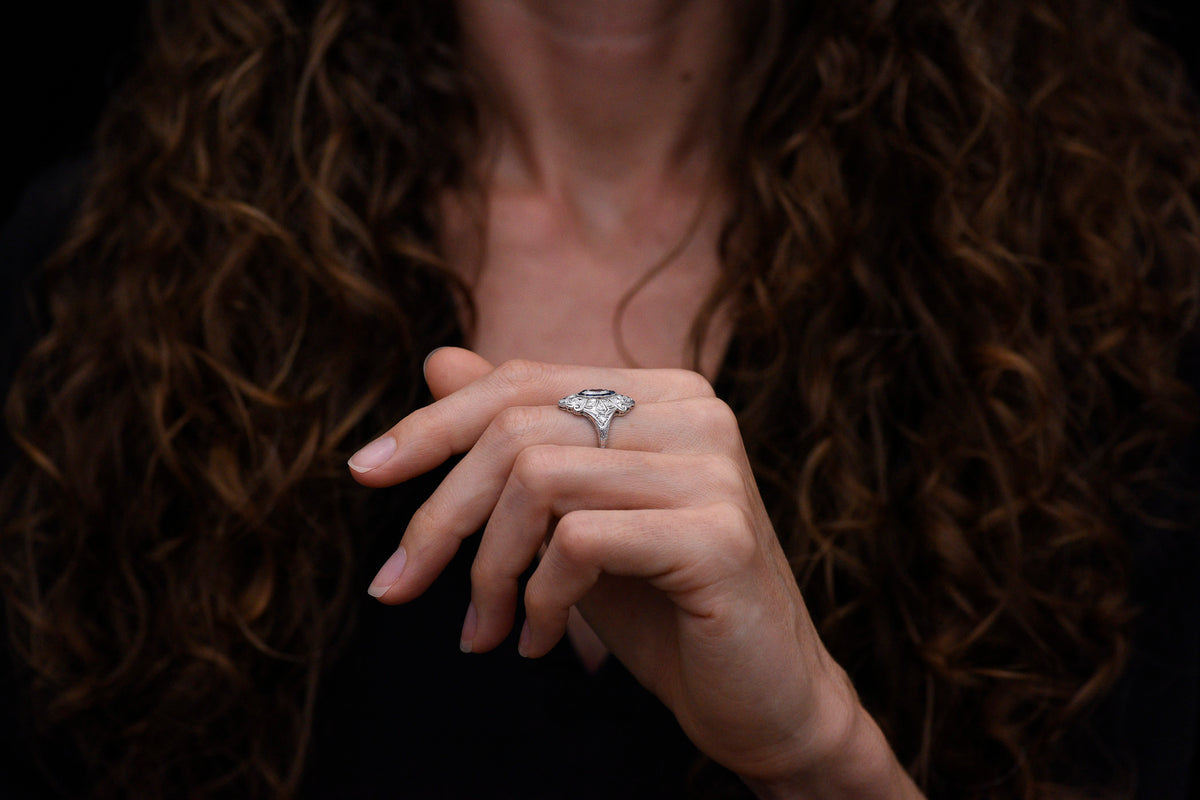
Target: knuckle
693 384
537 600
723 476
425 517
483 574
534 465
518 372
516 422
573 537
715 415
735 530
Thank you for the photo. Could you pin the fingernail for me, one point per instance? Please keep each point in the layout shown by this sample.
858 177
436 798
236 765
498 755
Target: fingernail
389 573
425 363
468 631
373 455
524 642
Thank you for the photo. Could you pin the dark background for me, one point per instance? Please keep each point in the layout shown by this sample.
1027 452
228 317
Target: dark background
60 65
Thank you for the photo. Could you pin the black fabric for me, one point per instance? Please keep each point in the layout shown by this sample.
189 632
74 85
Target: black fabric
404 713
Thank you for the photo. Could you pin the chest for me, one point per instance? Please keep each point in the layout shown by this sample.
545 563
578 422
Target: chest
544 292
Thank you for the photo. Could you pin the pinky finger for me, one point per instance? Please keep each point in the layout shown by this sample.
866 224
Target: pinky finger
587 544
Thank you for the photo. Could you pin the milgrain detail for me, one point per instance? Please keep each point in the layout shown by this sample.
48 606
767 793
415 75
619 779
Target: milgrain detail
600 406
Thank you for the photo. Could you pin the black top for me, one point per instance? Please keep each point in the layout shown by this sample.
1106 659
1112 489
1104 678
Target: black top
404 713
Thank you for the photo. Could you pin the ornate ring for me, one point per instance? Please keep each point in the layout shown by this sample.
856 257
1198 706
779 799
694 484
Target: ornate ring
600 406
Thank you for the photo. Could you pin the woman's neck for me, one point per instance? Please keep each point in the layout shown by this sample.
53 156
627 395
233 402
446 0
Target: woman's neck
597 103
601 186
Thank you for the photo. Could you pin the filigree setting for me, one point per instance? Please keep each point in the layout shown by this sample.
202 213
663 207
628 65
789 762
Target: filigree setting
600 406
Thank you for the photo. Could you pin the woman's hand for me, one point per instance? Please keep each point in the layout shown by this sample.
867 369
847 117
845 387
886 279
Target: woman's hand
660 540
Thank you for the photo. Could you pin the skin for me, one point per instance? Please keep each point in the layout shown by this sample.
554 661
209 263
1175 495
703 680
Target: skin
661 542
602 160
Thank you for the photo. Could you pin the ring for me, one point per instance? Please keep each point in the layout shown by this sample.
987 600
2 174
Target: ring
600 406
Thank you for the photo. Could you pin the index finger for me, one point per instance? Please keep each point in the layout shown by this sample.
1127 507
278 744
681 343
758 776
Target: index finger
430 435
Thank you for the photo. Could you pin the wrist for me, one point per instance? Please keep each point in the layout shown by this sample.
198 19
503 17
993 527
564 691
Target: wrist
846 756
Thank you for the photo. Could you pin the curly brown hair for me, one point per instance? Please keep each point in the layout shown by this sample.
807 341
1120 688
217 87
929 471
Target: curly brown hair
961 254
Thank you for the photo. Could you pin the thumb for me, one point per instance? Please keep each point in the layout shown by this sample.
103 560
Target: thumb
449 369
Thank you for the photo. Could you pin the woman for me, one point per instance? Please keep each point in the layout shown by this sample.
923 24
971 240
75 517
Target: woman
936 260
